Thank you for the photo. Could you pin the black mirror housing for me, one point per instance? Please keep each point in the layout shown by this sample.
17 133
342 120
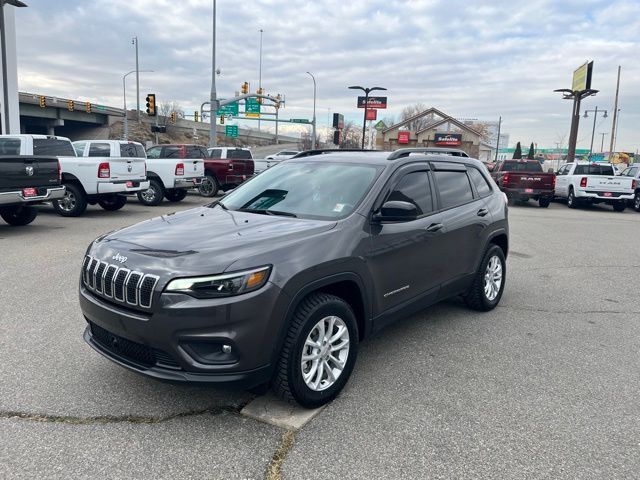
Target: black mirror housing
397 211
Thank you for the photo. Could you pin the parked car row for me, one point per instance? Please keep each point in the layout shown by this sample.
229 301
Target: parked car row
71 175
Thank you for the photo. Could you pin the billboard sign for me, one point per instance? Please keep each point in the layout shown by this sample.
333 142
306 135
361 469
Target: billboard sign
403 136
448 139
338 121
582 77
371 114
373 102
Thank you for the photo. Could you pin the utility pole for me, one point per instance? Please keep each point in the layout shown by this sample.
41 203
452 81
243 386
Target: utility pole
593 132
313 141
260 72
602 143
498 141
614 124
134 41
213 106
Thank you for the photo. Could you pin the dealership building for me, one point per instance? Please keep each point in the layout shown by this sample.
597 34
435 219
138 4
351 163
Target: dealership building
434 128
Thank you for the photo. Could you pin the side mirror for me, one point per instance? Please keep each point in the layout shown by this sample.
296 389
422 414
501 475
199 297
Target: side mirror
397 211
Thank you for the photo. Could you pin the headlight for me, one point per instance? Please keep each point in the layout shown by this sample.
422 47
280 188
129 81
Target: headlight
225 285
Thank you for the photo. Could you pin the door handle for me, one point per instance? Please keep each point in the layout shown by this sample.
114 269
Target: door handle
482 212
434 227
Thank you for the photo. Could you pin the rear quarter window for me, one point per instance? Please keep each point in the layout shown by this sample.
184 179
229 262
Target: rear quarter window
239 154
453 187
132 150
482 185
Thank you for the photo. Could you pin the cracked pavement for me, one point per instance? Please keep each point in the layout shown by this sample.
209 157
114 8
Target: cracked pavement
545 386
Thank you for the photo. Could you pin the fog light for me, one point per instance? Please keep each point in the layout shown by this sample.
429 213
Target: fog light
226 348
211 352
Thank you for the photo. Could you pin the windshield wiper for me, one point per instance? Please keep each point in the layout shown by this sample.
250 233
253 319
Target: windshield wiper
219 203
267 212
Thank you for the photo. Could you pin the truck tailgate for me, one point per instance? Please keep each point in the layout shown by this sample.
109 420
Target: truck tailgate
193 167
609 184
533 180
126 168
20 172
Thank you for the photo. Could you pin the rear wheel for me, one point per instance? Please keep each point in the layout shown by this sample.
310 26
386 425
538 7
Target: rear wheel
636 202
619 206
175 195
19 216
319 351
571 200
74 202
209 186
486 291
111 203
544 202
153 195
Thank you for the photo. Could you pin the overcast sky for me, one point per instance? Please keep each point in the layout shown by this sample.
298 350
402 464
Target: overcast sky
482 61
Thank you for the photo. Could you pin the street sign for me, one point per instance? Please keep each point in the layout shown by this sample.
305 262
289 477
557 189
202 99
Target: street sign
251 105
403 136
231 130
228 109
380 126
373 102
254 115
299 120
371 114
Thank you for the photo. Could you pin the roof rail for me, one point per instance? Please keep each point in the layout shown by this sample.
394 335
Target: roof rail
405 152
322 151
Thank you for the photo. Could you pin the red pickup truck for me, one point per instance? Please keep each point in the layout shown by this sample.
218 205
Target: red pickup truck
522 180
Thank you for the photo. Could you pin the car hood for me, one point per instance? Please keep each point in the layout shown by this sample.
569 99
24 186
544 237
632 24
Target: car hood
201 241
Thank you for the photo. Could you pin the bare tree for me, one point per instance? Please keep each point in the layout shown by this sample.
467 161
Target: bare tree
351 136
484 129
166 109
420 122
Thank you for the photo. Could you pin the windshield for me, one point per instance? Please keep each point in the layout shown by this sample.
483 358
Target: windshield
325 191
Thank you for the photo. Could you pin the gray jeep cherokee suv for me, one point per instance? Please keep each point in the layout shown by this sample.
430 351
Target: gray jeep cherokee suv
278 282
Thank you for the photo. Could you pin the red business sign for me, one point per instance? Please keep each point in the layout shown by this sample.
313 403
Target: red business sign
403 137
373 102
371 114
448 139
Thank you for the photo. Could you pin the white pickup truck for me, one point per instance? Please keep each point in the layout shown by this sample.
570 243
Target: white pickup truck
88 178
587 182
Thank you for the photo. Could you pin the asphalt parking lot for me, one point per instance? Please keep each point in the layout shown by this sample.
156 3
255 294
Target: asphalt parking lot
545 386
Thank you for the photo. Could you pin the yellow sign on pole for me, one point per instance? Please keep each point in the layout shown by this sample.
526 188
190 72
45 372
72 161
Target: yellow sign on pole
582 77
256 115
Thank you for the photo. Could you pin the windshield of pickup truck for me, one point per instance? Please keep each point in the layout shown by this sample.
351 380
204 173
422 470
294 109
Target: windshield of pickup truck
521 167
594 169
325 191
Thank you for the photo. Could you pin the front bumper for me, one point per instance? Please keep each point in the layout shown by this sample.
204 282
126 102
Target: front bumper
187 182
176 340
17 197
121 186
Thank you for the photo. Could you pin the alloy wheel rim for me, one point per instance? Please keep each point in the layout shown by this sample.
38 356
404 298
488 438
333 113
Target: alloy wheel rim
637 203
493 278
206 187
149 195
68 203
325 353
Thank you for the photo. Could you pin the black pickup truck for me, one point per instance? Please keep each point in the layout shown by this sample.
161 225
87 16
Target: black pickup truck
25 181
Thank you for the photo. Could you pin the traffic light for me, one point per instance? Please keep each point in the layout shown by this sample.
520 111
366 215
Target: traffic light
174 117
260 91
195 116
151 105
336 137
43 101
245 88
87 107
221 119
71 106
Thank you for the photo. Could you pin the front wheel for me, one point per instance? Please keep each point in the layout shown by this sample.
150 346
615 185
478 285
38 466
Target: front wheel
319 351
209 186
153 195
111 203
19 216
544 202
487 287
571 200
175 195
636 202
74 202
619 206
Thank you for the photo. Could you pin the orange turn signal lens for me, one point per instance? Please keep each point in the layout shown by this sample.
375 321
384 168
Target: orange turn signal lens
257 278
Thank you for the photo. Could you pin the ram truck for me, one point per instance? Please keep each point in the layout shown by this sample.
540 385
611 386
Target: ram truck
522 180
633 171
593 183
226 168
25 181
172 170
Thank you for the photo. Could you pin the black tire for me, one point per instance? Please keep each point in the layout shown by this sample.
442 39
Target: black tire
619 206
571 200
209 186
511 201
175 194
19 216
74 202
476 298
544 202
111 203
153 195
636 202
288 382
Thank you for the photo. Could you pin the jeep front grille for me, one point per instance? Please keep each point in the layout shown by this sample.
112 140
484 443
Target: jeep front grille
118 283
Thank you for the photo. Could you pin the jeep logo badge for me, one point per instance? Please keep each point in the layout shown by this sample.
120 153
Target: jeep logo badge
29 170
119 258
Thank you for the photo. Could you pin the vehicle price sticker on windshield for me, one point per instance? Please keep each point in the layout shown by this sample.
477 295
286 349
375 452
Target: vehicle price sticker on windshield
339 207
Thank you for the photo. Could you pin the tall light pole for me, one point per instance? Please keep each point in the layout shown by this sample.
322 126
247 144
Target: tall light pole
134 41
260 72
313 140
6 121
213 99
602 143
124 95
593 132
366 105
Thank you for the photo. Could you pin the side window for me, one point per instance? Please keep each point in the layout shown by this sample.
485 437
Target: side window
454 188
99 150
153 152
482 186
131 150
79 148
216 153
414 188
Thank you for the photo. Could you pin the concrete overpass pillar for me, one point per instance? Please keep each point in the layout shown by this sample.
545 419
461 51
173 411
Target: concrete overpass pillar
11 73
